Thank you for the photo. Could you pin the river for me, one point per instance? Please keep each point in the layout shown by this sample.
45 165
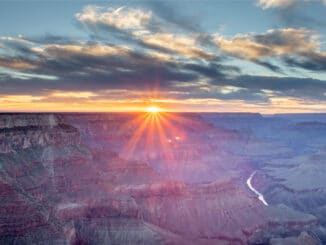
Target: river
260 196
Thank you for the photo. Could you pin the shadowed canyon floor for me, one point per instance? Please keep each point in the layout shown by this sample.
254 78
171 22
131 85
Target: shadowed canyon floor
161 178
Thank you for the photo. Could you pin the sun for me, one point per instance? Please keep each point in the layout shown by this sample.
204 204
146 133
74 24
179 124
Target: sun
153 109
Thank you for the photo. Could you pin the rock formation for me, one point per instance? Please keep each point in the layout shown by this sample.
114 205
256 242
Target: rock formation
67 179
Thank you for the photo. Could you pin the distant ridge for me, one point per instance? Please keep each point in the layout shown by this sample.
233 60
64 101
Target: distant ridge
304 117
247 115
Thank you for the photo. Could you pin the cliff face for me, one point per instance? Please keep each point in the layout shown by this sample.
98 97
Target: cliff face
22 131
12 120
64 179
24 137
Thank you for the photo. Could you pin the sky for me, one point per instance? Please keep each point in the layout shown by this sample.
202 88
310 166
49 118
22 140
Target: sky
266 56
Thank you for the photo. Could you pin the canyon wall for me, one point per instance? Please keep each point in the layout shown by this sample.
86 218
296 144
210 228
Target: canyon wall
86 179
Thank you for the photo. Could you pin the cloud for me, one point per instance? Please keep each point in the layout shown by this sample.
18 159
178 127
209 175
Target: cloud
314 61
172 15
213 70
100 66
265 4
15 63
183 65
296 47
293 13
242 46
307 88
85 69
69 51
184 45
142 28
297 17
274 42
120 18
270 66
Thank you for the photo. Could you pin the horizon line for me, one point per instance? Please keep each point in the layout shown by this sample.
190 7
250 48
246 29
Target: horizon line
136 112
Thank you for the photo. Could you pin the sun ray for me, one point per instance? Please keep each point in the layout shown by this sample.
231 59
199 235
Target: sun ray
130 148
155 135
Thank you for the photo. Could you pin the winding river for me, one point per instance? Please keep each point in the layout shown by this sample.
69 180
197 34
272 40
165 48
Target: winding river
260 196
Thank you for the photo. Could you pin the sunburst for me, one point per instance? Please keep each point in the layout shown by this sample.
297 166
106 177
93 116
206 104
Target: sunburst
153 109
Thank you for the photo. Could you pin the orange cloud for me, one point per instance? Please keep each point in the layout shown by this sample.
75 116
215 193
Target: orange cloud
91 50
184 45
275 42
14 63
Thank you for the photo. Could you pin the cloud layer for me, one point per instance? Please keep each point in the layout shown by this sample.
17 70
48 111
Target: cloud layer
132 54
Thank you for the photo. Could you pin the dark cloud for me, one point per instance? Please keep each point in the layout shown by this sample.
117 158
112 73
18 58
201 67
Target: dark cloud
212 70
139 72
168 14
79 67
269 66
284 86
310 61
51 39
97 68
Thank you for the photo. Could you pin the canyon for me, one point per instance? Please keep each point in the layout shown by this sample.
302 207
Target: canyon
162 178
